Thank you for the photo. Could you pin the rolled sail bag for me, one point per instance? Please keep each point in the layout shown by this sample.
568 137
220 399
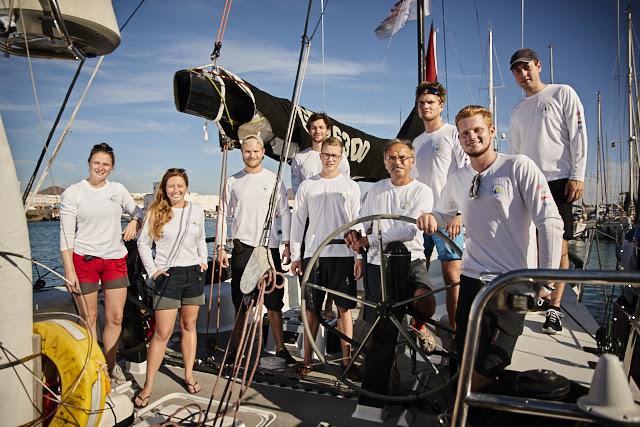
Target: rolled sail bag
84 388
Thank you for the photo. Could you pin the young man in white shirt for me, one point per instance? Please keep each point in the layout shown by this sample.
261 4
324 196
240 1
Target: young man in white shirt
504 199
400 194
328 201
307 163
548 126
246 200
438 152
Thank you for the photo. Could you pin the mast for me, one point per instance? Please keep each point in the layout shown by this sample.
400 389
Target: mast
599 166
492 91
420 19
630 108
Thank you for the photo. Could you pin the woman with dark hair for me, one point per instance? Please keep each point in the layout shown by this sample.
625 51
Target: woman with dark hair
177 228
92 249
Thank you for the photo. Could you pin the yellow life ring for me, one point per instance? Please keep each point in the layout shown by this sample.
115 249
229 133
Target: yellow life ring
84 393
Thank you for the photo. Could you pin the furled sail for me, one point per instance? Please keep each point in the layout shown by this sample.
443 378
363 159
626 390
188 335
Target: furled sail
243 109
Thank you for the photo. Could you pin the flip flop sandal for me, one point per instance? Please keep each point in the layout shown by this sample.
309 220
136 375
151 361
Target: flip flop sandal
304 370
140 402
193 387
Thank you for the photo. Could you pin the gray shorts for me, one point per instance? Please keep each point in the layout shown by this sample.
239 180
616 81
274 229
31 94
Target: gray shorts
183 286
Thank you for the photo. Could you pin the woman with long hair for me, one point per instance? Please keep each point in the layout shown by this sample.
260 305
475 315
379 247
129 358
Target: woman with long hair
177 228
92 249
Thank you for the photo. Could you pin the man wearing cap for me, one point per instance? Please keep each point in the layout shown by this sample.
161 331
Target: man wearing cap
438 152
548 126
246 200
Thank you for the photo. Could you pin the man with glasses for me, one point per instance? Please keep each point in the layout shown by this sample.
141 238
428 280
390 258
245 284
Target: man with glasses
503 199
247 199
403 195
548 126
307 163
438 152
328 201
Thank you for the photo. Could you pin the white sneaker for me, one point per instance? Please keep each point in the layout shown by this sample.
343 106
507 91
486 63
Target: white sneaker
117 376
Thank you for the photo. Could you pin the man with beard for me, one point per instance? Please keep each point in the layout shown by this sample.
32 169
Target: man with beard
503 200
247 202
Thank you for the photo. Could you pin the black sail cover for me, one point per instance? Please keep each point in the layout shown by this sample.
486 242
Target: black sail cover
243 109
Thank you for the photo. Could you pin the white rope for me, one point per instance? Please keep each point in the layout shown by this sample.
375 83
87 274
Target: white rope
64 133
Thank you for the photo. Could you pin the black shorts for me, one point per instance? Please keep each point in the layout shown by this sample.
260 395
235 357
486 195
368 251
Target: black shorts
499 333
239 258
418 278
335 273
565 208
182 286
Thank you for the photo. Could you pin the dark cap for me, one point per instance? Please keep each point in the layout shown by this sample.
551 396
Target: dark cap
523 55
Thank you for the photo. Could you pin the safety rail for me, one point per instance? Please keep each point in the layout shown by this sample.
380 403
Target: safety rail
466 398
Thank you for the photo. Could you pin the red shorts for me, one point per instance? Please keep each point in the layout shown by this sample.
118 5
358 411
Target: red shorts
91 271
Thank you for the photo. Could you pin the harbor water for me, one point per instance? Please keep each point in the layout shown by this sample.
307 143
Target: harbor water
44 239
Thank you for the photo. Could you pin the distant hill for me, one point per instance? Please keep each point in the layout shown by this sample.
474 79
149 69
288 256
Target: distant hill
52 191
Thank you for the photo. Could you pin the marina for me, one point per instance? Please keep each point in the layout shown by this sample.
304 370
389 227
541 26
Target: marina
238 360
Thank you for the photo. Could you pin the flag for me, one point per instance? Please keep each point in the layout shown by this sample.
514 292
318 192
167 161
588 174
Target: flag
401 12
431 62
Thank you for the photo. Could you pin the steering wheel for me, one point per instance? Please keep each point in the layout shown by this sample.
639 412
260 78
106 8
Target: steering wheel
384 309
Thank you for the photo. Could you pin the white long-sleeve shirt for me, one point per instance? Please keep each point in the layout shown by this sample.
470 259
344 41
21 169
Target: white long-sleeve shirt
549 128
247 203
90 219
328 203
307 163
437 155
500 223
182 243
412 200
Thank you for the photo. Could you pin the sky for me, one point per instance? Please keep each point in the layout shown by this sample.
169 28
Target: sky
365 82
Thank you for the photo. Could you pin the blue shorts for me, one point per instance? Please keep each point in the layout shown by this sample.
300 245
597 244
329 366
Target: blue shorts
445 253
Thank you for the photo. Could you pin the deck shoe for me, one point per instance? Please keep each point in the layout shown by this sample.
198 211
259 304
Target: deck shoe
553 322
283 353
117 376
426 340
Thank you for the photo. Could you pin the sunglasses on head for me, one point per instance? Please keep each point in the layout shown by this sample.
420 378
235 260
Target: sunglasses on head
431 90
102 147
175 170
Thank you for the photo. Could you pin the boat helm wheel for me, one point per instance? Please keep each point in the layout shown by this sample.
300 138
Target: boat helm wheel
383 309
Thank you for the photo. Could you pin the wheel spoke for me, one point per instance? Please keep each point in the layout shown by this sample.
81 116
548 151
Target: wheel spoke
342 295
366 339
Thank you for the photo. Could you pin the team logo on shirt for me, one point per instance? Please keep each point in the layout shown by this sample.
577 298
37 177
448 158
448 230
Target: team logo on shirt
545 197
436 146
265 188
404 207
497 190
342 195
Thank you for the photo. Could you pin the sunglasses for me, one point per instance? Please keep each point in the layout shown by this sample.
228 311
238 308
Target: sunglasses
175 170
102 147
475 186
432 91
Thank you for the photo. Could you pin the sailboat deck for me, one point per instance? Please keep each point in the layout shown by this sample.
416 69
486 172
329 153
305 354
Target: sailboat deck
286 401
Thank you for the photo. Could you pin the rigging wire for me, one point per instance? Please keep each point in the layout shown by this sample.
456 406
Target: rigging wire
324 79
466 80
